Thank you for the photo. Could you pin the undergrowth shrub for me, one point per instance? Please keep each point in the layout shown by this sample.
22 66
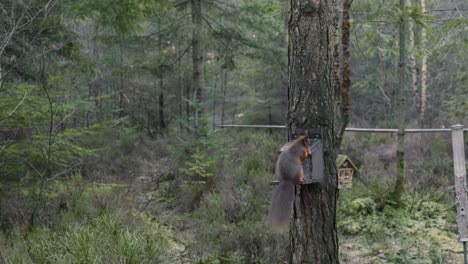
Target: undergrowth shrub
25 158
120 145
248 239
105 240
80 202
230 223
198 156
221 258
422 228
24 132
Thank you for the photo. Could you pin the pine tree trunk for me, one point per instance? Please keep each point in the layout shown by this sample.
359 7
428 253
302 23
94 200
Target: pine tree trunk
121 102
188 97
162 122
398 188
215 88
197 58
422 117
223 103
180 83
311 104
346 70
412 65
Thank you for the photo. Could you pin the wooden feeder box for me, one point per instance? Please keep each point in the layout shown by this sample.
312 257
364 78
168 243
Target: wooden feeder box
346 169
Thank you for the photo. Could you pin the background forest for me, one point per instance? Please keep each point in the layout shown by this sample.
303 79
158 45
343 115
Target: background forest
110 150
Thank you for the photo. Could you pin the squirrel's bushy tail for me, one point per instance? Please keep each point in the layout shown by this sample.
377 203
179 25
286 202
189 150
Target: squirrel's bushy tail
281 205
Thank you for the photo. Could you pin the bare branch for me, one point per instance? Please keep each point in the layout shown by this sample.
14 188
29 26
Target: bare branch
3 10
7 40
58 174
16 108
385 96
34 168
182 55
63 120
6 145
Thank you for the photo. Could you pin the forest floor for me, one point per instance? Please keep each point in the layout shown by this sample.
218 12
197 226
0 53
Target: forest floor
157 216
370 237
422 232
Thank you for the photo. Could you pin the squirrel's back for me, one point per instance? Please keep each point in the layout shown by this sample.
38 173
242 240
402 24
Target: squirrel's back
289 172
288 166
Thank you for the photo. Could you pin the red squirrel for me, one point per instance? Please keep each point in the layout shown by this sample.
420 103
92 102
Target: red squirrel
289 172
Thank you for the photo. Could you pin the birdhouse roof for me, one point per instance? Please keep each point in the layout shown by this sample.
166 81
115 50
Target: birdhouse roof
341 159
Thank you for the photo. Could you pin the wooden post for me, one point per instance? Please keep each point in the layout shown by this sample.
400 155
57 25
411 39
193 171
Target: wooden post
459 170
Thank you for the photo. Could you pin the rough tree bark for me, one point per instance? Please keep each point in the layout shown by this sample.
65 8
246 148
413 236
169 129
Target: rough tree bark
215 87
346 70
412 63
121 99
398 188
180 83
311 104
162 122
422 117
223 103
197 58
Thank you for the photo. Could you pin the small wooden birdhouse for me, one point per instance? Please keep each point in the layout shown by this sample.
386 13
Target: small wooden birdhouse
346 169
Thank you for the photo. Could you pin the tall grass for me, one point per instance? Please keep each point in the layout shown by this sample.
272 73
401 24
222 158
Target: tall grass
105 240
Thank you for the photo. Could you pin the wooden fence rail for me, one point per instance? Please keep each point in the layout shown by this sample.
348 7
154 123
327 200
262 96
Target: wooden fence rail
352 129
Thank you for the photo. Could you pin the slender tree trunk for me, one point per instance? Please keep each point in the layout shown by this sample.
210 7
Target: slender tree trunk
179 83
311 104
188 98
162 122
270 116
346 71
412 65
197 58
215 87
382 80
400 155
422 117
223 104
96 81
121 103
39 199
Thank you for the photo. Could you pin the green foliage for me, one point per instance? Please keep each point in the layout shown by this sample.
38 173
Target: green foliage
201 166
123 16
425 220
30 123
105 240
223 259
235 212
95 225
374 52
363 206
200 153
105 64
81 201
30 156
252 164
457 107
248 237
